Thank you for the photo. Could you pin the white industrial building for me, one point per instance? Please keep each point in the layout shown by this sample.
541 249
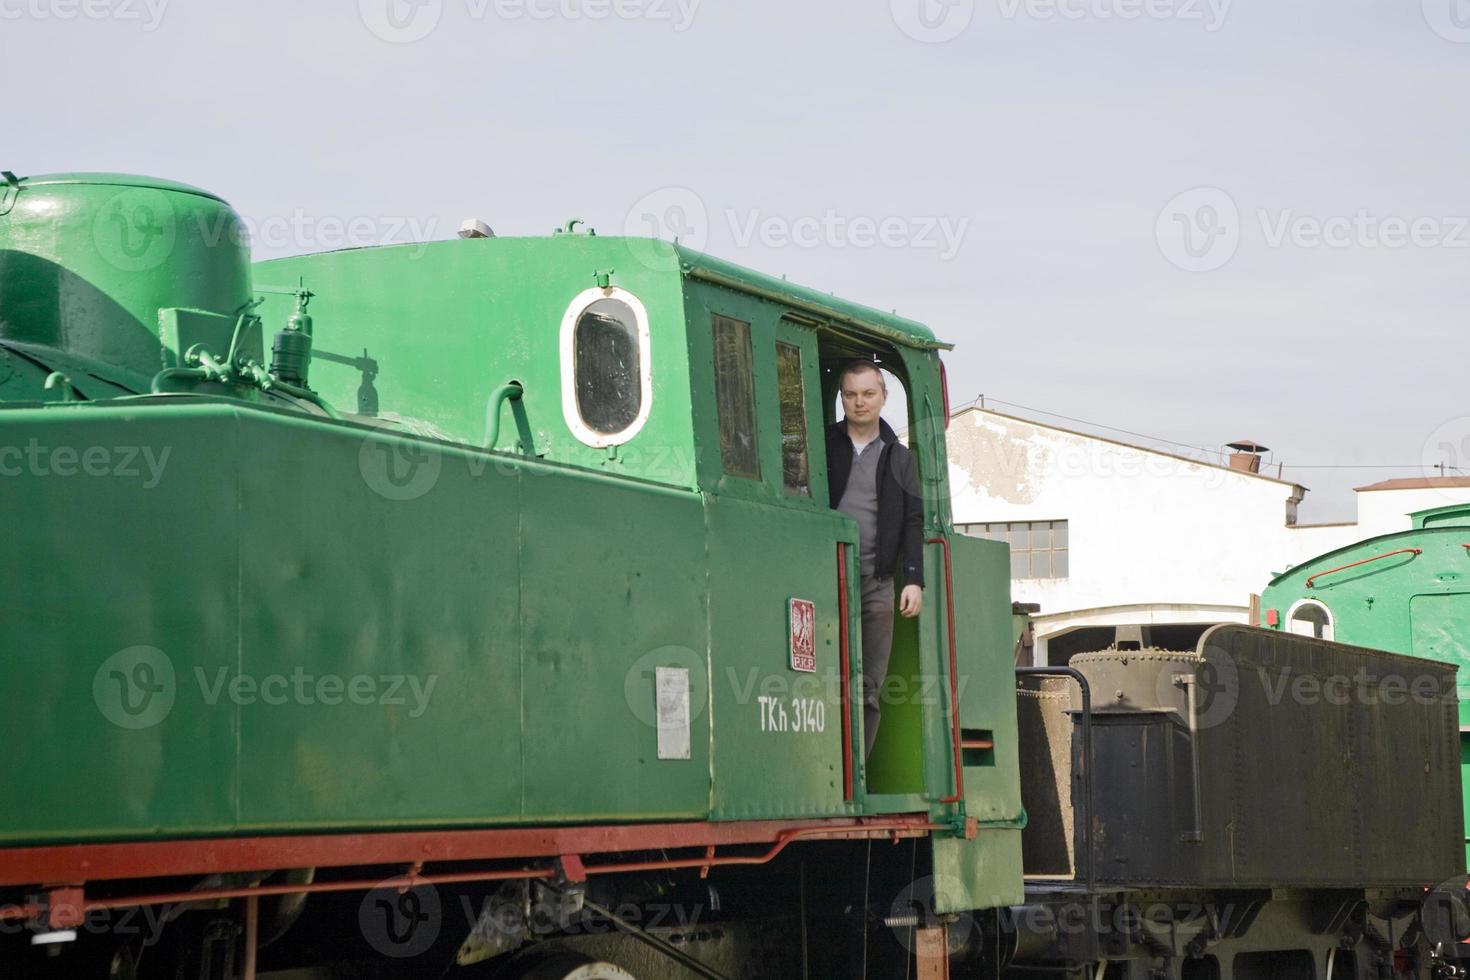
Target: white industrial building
1105 534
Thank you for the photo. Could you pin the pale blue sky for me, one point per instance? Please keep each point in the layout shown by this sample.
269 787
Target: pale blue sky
1022 166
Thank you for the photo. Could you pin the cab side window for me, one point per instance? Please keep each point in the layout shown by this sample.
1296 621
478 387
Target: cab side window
605 366
735 397
605 351
795 458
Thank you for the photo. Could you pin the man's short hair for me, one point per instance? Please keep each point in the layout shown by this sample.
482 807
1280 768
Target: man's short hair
857 365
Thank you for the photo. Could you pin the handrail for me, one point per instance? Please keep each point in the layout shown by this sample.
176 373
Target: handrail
1076 675
1355 564
954 691
844 657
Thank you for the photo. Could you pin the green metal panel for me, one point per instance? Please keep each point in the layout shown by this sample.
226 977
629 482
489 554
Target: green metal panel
449 322
107 579
987 677
770 761
986 871
612 588
484 578
419 596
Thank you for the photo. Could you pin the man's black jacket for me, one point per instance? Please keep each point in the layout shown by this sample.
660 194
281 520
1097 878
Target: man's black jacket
900 511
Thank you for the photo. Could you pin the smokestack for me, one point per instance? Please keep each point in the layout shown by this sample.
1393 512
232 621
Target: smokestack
1246 456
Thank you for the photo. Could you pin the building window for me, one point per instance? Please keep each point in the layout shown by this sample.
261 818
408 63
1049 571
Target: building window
1310 618
1039 549
795 469
605 366
735 397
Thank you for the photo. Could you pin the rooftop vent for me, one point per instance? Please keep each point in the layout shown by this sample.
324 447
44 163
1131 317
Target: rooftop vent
475 228
1246 455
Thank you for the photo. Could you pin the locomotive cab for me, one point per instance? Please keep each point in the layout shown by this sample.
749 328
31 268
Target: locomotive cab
720 383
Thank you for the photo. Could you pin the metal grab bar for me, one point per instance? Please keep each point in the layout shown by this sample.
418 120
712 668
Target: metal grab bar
954 691
1076 675
1355 564
1190 682
845 660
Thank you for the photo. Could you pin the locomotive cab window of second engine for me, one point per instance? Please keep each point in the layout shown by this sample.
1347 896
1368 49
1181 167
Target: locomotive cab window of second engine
605 366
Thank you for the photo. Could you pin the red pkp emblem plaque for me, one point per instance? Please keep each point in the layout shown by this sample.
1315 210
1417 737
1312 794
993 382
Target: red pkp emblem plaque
803 621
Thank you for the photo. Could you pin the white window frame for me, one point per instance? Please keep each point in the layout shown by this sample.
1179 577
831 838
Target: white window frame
1327 632
579 427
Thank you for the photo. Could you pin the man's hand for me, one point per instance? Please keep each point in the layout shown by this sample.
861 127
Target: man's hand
910 601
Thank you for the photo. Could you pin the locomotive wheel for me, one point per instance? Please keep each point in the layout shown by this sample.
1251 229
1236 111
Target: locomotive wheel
569 967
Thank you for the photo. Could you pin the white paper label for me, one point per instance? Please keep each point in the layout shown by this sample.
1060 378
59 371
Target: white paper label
671 696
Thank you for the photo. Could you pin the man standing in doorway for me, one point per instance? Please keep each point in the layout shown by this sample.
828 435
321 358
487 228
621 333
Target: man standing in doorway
873 480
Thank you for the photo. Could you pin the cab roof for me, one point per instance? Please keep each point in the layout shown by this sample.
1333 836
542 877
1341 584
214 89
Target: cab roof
891 326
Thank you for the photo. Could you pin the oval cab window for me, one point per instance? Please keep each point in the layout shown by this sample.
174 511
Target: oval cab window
606 387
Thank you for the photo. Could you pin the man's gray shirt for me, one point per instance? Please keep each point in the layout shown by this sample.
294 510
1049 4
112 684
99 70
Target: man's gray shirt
860 502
